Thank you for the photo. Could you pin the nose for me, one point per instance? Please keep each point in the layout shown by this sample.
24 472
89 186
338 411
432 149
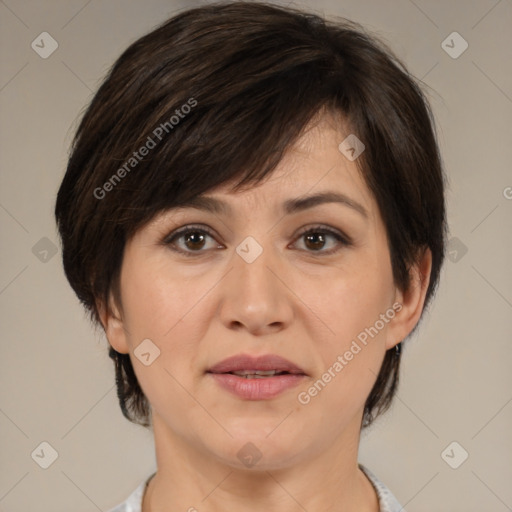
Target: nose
255 296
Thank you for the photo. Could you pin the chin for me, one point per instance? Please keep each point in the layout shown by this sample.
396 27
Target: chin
253 449
256 458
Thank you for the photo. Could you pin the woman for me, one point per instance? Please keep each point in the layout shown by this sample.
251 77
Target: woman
254 212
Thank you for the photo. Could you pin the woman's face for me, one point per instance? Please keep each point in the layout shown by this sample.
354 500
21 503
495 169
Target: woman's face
246 281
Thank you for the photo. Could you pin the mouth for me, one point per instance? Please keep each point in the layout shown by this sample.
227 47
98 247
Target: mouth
256 378
248 366
259 374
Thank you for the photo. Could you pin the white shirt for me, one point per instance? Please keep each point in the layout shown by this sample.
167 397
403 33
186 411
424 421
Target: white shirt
387 502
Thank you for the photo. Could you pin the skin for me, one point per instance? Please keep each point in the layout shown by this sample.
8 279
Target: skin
293 300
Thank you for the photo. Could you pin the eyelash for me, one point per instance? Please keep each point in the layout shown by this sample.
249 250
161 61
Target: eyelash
170 239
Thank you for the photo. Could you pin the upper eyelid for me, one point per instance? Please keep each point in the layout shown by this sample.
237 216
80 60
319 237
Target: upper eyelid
185 229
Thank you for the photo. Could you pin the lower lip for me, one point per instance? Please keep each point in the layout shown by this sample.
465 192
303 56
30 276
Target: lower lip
257 389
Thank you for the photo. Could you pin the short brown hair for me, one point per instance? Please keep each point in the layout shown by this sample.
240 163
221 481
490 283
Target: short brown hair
253 75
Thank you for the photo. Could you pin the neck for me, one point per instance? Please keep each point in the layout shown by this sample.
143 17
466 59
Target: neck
190 478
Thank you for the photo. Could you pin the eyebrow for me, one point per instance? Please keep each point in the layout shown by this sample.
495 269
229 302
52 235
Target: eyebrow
217 206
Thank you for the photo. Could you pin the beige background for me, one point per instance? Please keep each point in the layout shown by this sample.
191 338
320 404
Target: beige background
56 380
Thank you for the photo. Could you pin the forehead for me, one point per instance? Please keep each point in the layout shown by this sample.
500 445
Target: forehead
313 164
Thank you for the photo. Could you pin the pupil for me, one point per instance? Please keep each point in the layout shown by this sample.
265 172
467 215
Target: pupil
194 238
319 236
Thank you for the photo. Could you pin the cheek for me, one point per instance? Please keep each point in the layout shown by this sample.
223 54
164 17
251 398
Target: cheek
350 303
174 313
350 359
349 299
157 299
152 309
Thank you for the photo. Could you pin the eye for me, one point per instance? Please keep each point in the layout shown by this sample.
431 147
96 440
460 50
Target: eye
194 240
315 239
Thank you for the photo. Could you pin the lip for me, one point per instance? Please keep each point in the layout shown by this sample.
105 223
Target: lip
256 388
264 363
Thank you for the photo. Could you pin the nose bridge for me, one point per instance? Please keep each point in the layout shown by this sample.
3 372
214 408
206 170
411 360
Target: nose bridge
254 296
252 262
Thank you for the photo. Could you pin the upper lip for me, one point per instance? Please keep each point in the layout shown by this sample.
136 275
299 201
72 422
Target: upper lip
264 363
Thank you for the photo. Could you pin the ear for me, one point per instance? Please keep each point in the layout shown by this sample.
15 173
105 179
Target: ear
411 300
113 325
